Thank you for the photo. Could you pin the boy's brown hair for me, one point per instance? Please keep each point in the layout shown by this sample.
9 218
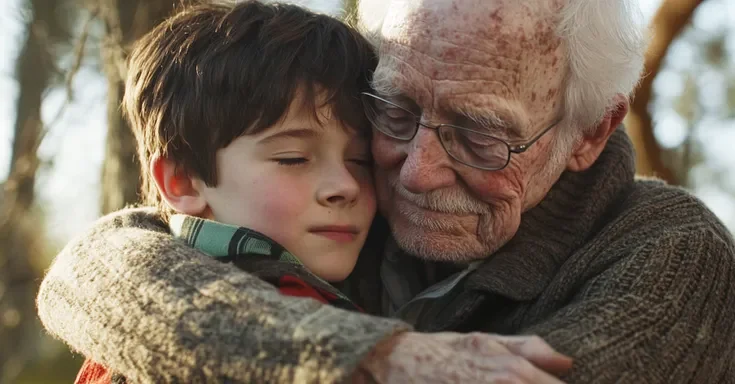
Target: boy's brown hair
215 72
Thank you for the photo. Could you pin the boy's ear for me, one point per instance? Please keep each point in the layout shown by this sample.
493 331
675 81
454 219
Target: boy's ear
177 188
590 147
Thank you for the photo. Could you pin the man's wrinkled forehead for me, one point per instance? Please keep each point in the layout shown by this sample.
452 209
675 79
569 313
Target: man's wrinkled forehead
468 16
446 30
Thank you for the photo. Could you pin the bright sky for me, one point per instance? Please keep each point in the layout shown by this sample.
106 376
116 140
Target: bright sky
70 186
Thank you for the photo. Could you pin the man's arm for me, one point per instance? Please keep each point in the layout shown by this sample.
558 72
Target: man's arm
662 315
130 296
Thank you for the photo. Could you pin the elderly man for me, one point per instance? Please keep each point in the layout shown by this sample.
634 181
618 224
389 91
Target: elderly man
510 196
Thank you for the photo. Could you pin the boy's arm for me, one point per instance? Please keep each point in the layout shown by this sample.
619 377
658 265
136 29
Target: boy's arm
130 296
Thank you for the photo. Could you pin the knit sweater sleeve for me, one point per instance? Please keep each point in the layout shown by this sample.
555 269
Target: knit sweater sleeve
661 315
130 296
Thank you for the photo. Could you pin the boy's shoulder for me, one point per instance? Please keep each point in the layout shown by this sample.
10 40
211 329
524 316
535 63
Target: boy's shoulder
137 217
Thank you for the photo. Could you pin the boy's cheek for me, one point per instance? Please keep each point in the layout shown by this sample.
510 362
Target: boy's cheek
263 203
276 207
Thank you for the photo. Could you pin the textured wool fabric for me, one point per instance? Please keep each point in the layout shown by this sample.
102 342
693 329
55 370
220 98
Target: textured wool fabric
634 279
250 251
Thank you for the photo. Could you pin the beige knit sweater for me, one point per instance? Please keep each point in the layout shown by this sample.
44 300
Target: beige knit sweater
634 279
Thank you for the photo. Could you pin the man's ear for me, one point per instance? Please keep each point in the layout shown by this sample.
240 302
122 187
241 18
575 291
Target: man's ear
590 147
177 188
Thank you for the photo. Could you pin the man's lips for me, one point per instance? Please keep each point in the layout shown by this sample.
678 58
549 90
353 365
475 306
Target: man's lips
339 233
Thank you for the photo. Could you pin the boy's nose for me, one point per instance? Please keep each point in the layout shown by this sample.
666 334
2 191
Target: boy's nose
339 188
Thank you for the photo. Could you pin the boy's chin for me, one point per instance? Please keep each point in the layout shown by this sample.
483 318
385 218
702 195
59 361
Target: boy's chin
333 272
336 276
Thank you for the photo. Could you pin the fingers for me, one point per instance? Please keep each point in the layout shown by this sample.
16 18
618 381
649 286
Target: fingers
476 343
518 370
505 378
472 368
532 348
463 358
537 351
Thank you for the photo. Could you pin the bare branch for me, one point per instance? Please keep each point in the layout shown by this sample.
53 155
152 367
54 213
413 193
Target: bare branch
667 24
79 51
113 43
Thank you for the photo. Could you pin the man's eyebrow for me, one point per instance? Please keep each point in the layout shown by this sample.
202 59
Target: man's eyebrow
493 122
295 133
383 80
394 95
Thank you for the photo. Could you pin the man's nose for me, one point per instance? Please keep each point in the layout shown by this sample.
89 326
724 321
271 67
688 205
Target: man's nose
338 188
427 166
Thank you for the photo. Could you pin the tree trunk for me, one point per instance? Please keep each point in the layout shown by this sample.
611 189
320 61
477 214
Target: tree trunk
125 21
667 24
20 233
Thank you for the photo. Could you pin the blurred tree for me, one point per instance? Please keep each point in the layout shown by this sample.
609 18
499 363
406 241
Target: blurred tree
125 21
667 24
21 230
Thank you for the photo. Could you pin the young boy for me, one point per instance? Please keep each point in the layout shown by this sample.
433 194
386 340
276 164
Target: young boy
254 143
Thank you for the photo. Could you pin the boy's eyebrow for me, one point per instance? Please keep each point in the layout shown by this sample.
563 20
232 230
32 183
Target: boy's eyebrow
297 133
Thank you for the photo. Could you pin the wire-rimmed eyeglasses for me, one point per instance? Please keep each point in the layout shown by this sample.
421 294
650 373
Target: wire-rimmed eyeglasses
465 145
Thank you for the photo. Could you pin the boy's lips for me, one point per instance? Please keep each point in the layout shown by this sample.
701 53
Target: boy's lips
339 233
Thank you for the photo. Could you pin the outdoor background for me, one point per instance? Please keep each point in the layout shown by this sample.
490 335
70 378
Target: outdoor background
66 156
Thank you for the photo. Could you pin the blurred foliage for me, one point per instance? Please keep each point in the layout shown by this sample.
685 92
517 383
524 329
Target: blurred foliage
22 234
693 103
59 367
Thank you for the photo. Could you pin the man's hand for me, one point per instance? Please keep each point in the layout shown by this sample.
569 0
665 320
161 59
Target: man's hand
462 358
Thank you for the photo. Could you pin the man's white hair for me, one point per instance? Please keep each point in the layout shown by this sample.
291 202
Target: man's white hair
605 40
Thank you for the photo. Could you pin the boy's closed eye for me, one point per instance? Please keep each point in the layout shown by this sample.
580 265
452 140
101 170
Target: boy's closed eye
291 161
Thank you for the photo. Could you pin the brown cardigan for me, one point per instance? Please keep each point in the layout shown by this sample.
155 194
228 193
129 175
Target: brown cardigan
634 279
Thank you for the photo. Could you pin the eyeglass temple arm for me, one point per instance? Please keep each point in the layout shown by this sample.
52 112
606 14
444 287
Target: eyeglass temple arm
520 148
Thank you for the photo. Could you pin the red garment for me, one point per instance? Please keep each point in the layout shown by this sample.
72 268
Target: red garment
92 372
